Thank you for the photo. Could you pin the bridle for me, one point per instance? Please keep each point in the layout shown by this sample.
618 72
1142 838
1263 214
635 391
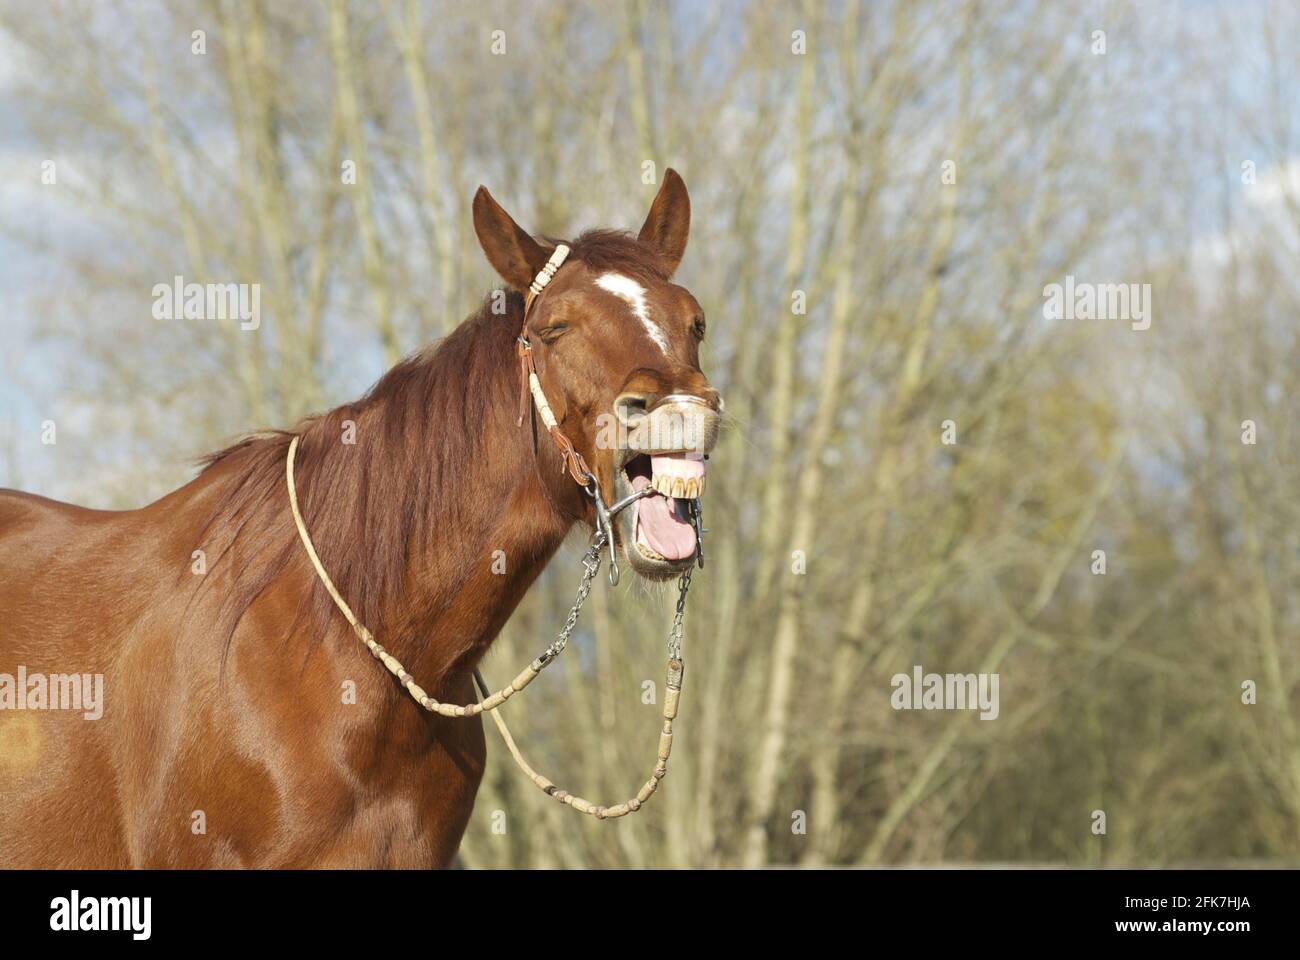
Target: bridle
530 387
574 464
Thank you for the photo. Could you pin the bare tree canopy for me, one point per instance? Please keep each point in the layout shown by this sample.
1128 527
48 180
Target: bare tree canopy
1001 297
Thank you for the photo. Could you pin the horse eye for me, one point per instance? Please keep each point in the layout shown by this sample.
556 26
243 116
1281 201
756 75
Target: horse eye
699 327
552 333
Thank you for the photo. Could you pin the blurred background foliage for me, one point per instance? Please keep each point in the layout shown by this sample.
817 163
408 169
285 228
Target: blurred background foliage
1173 158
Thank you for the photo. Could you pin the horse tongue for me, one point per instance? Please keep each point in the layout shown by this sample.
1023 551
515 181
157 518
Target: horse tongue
659 527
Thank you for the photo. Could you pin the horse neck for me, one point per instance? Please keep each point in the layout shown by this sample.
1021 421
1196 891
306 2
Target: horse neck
453 513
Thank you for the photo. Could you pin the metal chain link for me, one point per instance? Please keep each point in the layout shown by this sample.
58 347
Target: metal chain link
590 567
675 634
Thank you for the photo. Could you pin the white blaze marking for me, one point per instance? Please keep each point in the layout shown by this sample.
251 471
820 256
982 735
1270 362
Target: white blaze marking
633 294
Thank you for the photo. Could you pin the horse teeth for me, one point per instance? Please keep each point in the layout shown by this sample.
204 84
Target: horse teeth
681 488
646 551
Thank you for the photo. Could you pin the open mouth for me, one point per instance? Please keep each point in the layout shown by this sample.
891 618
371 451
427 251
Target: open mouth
657 529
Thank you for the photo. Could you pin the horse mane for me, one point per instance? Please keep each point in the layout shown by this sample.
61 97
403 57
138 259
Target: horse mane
371 504
417 429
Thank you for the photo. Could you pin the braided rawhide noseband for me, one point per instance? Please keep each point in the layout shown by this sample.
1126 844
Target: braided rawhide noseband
576 466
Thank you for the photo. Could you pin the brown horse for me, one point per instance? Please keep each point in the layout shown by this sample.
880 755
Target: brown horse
242 723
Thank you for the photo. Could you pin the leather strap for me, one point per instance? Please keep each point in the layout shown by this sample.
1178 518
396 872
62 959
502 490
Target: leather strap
530 387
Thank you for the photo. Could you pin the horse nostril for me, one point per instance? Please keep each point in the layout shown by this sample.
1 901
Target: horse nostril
631 406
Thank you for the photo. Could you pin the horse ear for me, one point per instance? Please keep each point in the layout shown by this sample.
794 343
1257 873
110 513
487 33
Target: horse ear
669 220
511 251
